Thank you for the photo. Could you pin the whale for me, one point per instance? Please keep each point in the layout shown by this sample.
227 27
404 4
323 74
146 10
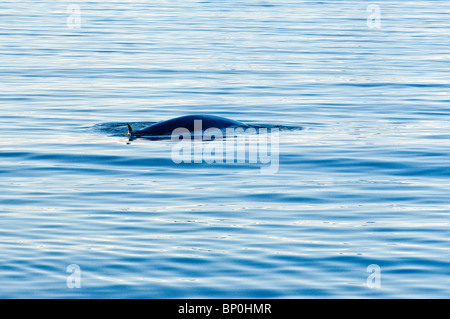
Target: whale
193 123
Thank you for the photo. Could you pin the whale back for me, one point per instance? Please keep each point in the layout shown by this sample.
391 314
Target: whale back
188 122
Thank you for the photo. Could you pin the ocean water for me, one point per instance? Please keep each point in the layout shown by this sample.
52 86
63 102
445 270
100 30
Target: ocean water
357 206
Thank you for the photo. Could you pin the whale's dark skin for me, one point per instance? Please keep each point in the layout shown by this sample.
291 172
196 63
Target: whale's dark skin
166 128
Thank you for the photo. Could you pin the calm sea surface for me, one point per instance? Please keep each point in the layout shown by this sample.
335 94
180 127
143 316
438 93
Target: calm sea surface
359 206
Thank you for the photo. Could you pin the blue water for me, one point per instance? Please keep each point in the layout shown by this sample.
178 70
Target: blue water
365 181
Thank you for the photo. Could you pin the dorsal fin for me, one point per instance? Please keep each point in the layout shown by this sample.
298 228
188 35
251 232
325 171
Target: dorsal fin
130 129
